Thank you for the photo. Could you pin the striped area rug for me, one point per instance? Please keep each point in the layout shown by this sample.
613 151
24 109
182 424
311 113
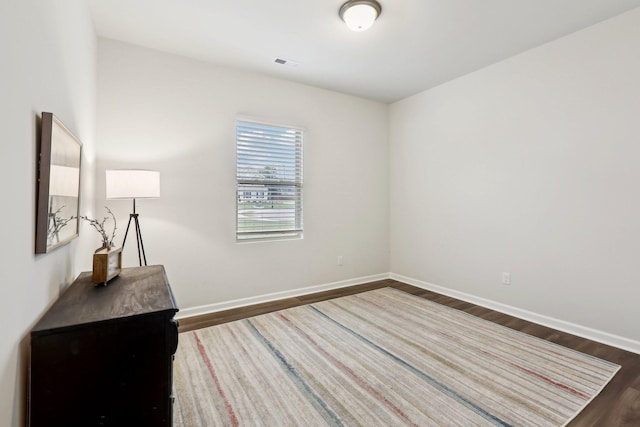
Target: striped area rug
379 358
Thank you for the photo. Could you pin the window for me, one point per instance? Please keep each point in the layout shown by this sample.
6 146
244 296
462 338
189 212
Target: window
269 181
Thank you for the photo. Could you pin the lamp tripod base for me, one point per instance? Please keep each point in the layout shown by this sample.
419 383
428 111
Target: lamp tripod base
141 255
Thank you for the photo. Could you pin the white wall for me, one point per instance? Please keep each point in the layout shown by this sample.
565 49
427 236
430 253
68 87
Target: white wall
47 63
176 115
529 166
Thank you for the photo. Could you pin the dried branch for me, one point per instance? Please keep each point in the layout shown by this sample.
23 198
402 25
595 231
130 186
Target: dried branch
107 241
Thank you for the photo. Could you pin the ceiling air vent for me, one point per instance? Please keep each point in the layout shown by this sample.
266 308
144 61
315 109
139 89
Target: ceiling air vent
287 62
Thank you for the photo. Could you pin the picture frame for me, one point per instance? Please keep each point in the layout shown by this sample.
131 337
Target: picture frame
58 185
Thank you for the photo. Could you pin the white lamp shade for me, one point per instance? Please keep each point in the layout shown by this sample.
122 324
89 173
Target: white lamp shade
132 184
64 181
360 17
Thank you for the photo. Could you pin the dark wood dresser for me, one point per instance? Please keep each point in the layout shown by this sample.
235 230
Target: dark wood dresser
102 356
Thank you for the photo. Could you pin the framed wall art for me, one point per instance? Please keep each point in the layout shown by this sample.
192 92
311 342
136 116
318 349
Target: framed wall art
58 188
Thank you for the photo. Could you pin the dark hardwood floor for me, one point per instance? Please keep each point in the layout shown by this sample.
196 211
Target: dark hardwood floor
617 405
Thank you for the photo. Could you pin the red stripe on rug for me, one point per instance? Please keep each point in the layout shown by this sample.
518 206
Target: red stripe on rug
550 381
502 359
230 412
525 370
348 371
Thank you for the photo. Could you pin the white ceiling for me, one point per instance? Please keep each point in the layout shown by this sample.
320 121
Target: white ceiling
414 45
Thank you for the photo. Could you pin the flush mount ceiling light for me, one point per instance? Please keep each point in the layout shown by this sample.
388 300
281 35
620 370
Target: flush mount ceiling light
359 15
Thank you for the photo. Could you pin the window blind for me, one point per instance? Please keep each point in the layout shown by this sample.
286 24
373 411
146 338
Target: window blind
269 181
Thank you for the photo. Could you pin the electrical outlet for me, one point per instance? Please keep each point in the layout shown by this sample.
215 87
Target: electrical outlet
340 260
506 278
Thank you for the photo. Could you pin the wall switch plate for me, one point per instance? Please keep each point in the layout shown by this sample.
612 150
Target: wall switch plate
340 261
506 278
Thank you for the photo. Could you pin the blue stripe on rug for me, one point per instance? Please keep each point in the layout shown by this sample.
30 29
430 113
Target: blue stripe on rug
442 387
318 403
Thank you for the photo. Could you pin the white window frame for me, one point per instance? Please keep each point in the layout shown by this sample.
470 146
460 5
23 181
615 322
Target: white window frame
269 181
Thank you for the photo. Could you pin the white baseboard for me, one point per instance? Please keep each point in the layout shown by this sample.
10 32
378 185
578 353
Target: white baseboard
243 302
561 325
